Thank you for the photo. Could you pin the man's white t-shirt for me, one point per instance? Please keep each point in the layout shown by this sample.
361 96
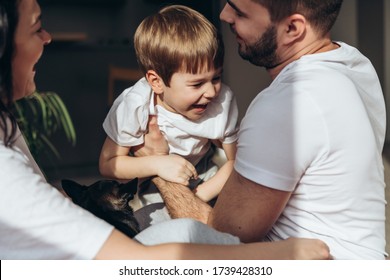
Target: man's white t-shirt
36 220
318 131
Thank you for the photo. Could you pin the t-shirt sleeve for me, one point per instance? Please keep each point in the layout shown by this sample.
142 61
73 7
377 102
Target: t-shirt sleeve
231 110
37 221
279 137
126 122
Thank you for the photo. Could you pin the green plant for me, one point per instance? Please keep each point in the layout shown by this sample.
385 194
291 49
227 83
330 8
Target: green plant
39 116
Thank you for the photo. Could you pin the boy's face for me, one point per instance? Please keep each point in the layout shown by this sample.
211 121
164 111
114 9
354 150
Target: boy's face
189 94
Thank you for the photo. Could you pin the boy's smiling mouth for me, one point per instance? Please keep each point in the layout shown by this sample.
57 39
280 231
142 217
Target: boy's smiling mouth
200 107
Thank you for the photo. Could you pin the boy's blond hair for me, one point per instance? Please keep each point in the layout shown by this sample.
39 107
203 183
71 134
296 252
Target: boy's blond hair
177 38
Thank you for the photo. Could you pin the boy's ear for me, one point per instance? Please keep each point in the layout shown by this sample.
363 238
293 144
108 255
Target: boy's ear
155 81
293 29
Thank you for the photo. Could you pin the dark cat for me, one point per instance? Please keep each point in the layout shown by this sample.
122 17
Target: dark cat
108 200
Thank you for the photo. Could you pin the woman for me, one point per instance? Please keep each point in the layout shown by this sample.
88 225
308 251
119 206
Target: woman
38 222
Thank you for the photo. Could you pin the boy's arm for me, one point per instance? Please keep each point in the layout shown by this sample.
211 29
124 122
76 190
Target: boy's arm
210 189
115 162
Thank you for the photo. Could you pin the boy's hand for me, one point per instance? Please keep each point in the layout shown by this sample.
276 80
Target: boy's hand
172 168
176 169
154 144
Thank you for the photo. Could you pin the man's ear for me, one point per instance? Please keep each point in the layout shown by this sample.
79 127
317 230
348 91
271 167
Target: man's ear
293 29
155 81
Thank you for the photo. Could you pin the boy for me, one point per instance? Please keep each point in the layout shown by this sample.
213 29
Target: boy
181 55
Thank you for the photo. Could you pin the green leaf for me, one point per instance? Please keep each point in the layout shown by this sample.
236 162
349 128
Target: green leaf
39 116
65 119
51 146
42 106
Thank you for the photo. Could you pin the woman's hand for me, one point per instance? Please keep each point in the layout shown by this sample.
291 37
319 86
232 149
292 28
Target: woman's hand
306 249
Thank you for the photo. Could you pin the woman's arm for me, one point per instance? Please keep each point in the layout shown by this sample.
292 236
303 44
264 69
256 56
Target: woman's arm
119 246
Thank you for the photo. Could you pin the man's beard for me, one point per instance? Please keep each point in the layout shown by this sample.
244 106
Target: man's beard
263 51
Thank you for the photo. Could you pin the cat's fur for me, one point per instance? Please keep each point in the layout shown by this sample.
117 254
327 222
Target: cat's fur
108 200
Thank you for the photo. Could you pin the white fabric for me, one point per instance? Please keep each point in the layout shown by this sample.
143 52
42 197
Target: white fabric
184 231
318 131
126 122
36 220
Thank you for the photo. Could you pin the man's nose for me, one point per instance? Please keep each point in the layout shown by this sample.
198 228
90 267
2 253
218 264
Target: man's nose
225 14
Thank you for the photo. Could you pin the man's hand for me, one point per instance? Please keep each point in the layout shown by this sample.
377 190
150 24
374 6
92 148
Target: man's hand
155 142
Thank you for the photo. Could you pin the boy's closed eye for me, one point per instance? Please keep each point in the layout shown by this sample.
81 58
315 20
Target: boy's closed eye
197 85
217 79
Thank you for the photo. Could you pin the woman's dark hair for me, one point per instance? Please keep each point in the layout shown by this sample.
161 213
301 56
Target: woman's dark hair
8 23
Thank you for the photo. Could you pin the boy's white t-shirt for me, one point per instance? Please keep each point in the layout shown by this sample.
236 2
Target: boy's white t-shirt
126 122
318 131
36 220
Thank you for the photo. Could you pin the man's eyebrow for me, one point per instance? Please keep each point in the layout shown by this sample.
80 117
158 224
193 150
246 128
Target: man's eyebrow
231 4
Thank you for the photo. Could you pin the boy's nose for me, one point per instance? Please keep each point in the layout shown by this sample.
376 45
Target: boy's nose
210 92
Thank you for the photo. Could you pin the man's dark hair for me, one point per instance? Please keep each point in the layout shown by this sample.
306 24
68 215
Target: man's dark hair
321 14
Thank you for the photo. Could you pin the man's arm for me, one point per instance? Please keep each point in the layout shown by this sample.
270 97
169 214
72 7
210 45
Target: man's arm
181 202
243 208
246 209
